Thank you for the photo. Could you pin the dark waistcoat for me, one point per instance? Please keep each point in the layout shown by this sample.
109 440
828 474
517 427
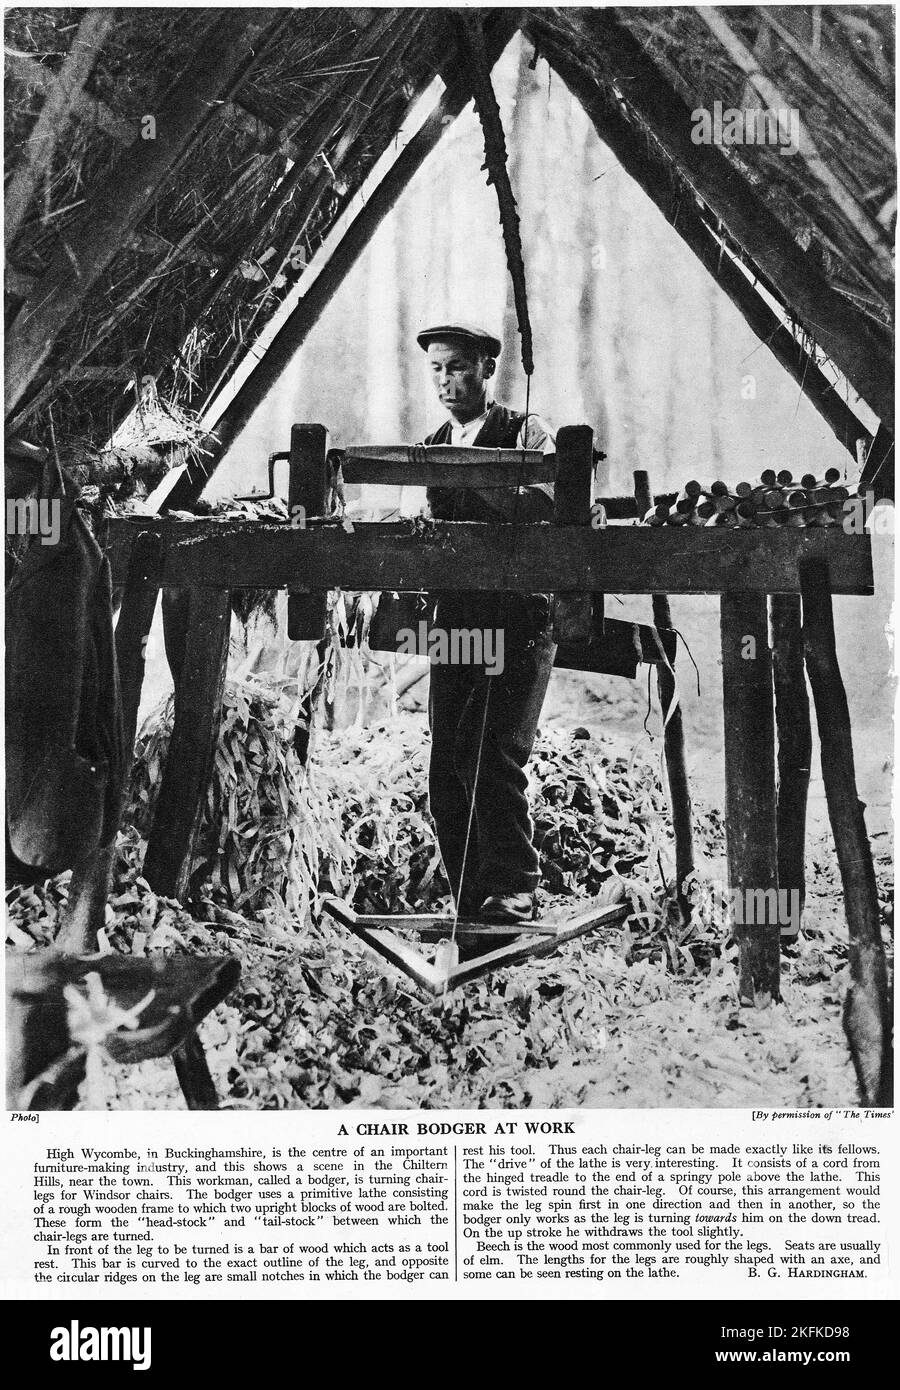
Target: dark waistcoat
499 431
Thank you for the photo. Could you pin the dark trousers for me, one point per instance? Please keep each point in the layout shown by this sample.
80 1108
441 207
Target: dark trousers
501 856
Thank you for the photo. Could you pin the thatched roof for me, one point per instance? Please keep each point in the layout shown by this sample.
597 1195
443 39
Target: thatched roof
166 256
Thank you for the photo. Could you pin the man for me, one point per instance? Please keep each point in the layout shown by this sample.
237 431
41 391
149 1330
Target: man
483 725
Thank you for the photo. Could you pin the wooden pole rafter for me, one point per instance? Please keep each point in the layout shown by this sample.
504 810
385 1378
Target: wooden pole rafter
225 55
296 328
656 177
303 186
861 348
59 105
866 228
87 108
307 137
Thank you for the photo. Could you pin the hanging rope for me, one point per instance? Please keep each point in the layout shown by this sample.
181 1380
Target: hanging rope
472 42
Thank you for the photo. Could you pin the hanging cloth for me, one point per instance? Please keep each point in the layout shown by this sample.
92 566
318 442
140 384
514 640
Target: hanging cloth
63 713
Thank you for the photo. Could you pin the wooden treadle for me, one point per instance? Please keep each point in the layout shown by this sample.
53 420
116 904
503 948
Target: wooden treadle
534 939
430 926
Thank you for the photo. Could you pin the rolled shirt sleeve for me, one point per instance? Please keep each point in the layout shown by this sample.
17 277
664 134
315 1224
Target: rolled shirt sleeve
537 434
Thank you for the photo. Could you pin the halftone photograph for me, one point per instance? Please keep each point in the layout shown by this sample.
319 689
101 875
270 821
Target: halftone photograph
381 732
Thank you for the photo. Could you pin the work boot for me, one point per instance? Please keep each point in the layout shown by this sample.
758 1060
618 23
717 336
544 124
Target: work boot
508 907
499 907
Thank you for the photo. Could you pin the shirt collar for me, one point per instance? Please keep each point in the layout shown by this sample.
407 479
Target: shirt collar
478 420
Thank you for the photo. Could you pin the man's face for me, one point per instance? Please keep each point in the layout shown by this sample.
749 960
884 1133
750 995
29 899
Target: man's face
460 372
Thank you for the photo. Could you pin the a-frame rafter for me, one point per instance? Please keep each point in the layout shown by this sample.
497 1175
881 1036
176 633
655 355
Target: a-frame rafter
296 328
227 51
860 348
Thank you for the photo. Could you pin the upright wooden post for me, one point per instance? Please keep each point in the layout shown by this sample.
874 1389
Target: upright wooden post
176 608
92 879
673 732
750 794
573 496
794 749
198 708
192 1070
307 489
867 1014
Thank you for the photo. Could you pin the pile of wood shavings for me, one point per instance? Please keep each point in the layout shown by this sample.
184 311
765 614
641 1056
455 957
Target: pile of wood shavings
627 1017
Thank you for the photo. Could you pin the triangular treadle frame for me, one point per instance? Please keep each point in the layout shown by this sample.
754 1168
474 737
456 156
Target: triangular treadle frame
540 939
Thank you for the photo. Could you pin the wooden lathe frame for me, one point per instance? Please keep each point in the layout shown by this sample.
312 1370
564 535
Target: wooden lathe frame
209 558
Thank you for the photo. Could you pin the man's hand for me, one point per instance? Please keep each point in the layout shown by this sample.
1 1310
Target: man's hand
531 504
421 526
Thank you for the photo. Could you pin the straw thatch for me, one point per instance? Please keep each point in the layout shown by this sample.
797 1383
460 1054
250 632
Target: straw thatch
206 266
165 257
835 66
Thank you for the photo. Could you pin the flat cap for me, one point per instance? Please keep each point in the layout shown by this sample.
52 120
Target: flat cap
469 332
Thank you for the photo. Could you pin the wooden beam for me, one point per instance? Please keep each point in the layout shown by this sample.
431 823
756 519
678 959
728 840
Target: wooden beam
110 471
53 118
465 555
859 347
223 55
629 144
750 794
867 1013
619 651
296 328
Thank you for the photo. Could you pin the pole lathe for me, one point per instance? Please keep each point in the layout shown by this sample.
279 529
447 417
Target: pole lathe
442 453
444 465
